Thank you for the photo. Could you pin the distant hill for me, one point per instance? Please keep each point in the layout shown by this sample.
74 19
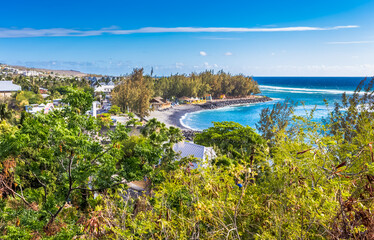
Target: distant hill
65 73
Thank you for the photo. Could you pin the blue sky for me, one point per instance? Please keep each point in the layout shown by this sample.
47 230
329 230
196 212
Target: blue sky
260 38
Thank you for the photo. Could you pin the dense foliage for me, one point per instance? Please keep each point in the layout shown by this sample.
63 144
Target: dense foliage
315 181
236 143
78 99
134 93
24 98
198 85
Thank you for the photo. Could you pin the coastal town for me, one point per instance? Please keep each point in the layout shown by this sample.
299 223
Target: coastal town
168 111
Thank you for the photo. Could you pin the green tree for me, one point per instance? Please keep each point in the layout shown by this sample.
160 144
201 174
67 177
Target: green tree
115 110
104 120
79 99
236 141
276 119
134 94
58 158
5 113
197 85
24 98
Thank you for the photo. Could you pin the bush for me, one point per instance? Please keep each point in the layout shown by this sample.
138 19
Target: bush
105 120
115 110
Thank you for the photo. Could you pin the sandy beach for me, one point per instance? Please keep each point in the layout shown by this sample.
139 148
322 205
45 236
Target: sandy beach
172 116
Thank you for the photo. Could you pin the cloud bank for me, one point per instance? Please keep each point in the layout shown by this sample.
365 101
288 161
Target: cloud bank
65 32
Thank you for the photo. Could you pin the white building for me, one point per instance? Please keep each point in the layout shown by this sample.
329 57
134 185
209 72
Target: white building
186 149
7 88
104 89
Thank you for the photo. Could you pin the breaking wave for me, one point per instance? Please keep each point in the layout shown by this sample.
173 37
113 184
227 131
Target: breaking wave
305 90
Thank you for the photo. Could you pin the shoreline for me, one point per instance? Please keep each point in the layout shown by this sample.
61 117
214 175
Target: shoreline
173 116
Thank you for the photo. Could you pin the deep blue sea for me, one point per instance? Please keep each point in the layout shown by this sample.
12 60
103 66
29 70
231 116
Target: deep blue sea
309 90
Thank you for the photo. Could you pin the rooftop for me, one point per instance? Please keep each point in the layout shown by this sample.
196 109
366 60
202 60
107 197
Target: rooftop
158 100
8 86
191 149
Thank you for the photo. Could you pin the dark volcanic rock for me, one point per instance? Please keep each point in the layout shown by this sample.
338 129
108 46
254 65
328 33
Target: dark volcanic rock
228 102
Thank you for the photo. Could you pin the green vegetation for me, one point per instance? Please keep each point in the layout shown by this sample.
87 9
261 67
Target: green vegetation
104 120
294 179
134 93
228 138
115 110
198 85
25 98
5 113
78 99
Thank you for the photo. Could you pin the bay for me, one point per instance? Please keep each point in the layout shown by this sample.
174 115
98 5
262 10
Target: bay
308 90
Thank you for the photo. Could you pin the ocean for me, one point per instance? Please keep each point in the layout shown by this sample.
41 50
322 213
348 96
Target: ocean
309 90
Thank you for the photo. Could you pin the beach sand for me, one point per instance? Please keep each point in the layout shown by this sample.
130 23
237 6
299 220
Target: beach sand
172 116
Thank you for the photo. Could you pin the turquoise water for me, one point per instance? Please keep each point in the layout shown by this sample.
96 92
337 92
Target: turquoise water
309 90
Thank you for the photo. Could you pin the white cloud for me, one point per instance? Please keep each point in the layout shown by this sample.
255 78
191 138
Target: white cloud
352 42
179 65
206 65
63 32
228 53
202 53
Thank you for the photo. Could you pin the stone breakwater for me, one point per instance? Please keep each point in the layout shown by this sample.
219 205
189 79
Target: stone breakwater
229 102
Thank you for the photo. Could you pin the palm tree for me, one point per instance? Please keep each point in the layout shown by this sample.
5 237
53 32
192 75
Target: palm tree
5 113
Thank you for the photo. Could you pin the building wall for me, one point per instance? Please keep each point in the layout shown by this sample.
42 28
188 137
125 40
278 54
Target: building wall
5 94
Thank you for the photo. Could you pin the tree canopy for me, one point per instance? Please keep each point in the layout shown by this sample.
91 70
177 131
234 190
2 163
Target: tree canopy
198 85
134 94
238 142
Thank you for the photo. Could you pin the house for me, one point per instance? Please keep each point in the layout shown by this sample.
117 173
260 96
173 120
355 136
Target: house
57 102
186 149
7 88
157 103
185 100
29 73
34 108
107 89
43 90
